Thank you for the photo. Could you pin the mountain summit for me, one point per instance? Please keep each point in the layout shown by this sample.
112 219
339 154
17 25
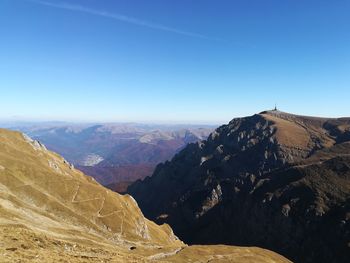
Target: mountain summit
51 212
274 179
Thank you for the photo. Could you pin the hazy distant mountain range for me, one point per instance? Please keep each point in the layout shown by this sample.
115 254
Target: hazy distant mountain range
114 153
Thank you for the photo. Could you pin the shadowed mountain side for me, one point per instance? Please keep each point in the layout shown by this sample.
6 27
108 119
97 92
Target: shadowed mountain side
275 180
50 212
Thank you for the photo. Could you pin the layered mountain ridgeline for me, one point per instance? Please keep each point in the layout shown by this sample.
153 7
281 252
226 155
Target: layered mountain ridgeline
51 212
115 154
274 180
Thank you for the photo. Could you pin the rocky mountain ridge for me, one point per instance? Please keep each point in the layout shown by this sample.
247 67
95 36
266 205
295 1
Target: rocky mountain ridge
274 179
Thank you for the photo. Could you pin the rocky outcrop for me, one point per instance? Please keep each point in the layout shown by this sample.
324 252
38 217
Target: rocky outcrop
274 179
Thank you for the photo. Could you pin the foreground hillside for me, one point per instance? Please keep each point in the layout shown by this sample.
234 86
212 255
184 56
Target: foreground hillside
50 212
274 180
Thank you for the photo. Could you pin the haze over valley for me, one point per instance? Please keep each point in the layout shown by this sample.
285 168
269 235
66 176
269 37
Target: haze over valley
115 154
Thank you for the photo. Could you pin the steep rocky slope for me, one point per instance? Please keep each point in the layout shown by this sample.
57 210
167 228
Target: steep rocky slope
274 179
51 212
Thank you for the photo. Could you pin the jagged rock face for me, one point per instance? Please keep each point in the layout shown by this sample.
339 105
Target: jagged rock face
274 179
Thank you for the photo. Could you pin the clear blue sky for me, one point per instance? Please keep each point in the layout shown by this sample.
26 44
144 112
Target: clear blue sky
172 60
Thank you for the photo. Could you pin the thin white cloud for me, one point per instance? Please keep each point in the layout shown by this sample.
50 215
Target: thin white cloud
120 17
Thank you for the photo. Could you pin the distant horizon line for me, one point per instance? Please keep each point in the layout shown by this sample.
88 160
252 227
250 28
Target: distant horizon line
197 122
95 122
